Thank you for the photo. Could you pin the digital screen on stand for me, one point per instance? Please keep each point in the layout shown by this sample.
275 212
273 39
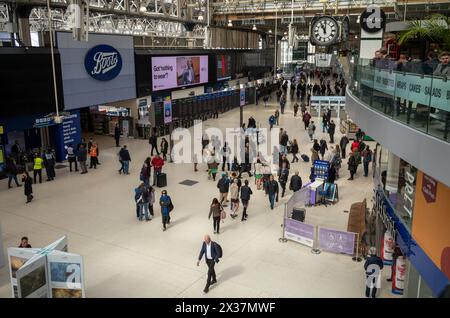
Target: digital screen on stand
179 71
223 67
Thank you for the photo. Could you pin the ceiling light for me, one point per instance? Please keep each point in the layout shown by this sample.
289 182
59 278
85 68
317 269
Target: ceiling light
143 9
200 18
254 27
356 36
270 31
229 23
357 20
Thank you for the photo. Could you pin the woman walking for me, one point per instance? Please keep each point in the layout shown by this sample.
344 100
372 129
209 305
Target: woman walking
234 193
28 186
215 210
164 147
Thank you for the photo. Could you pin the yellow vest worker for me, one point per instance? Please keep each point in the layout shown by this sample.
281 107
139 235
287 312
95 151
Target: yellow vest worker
38 163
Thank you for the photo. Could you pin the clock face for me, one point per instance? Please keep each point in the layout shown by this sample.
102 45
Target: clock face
324 31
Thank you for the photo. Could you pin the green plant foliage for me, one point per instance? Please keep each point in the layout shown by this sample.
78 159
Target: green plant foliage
435 28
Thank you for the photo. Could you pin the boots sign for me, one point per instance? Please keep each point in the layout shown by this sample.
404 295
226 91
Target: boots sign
103 62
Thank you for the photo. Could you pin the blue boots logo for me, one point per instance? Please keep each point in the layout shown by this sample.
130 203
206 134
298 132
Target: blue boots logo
103 62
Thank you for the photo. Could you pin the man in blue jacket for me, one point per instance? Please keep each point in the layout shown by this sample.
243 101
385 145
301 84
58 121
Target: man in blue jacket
210 250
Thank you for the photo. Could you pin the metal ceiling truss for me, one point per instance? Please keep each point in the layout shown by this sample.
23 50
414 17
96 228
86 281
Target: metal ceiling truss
221 7
110 23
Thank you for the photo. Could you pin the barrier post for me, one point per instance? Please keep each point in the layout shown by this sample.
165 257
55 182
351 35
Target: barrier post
315 249
356 258
283 239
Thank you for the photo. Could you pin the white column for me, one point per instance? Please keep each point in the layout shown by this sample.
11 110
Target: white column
392 173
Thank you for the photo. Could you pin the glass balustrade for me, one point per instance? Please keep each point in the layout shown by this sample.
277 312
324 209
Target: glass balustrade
409 93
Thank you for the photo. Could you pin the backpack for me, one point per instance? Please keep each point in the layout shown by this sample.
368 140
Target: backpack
219 250
314 127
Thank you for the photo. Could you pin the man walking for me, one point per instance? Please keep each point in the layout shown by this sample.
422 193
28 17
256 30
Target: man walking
343 144
82 158
124 156
224 186
117 134
271 188
367 158
331 130
246 192
296 182
211 250
153 142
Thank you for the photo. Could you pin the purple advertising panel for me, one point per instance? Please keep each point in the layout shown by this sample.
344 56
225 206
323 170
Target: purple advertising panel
337 241
299 232
178 71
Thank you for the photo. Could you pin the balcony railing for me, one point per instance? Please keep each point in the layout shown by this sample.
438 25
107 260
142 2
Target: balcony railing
413 93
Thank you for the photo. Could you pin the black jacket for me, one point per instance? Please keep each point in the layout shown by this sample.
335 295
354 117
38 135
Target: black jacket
284 140
28 185
153 140
117 132
316 147
223 184
331 128
124 155
294 148
271 187
296 183
344 141
82 154
11 167
214 252
245 193
323 147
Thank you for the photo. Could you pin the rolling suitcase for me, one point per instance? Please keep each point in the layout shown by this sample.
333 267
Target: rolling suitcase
305 158
299 214
161 180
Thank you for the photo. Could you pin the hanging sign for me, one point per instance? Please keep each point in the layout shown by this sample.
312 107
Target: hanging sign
429 188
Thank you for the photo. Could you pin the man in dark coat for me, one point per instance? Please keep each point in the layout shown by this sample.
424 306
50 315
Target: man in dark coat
117 135
343 144
82 157
271 188
296 182
331 131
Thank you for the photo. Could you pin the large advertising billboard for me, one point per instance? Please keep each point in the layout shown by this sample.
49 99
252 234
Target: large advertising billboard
178 71
98 71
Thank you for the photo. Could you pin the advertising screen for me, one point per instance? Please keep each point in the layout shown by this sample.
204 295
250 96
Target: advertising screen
223 67
177 71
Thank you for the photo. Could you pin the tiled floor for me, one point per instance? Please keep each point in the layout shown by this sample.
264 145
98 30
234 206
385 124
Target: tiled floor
127 258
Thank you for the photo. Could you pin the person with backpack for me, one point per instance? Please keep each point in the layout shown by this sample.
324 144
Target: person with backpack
367 158
311 129
125 159
166 207
143 202
212 252
216 210
223 185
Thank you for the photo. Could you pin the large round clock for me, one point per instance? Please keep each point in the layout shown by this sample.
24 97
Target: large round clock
324 31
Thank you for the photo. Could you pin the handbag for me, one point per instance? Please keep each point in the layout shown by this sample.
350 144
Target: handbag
170 206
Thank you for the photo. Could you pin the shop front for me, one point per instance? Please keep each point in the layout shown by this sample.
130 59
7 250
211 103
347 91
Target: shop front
99 79
398 213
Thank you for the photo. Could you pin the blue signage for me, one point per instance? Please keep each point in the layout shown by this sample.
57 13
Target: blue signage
103 62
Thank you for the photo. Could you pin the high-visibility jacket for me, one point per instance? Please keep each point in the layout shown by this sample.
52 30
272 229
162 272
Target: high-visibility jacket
38 163
93 152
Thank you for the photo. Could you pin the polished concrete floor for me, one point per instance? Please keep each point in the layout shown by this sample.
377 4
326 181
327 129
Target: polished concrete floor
127 258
